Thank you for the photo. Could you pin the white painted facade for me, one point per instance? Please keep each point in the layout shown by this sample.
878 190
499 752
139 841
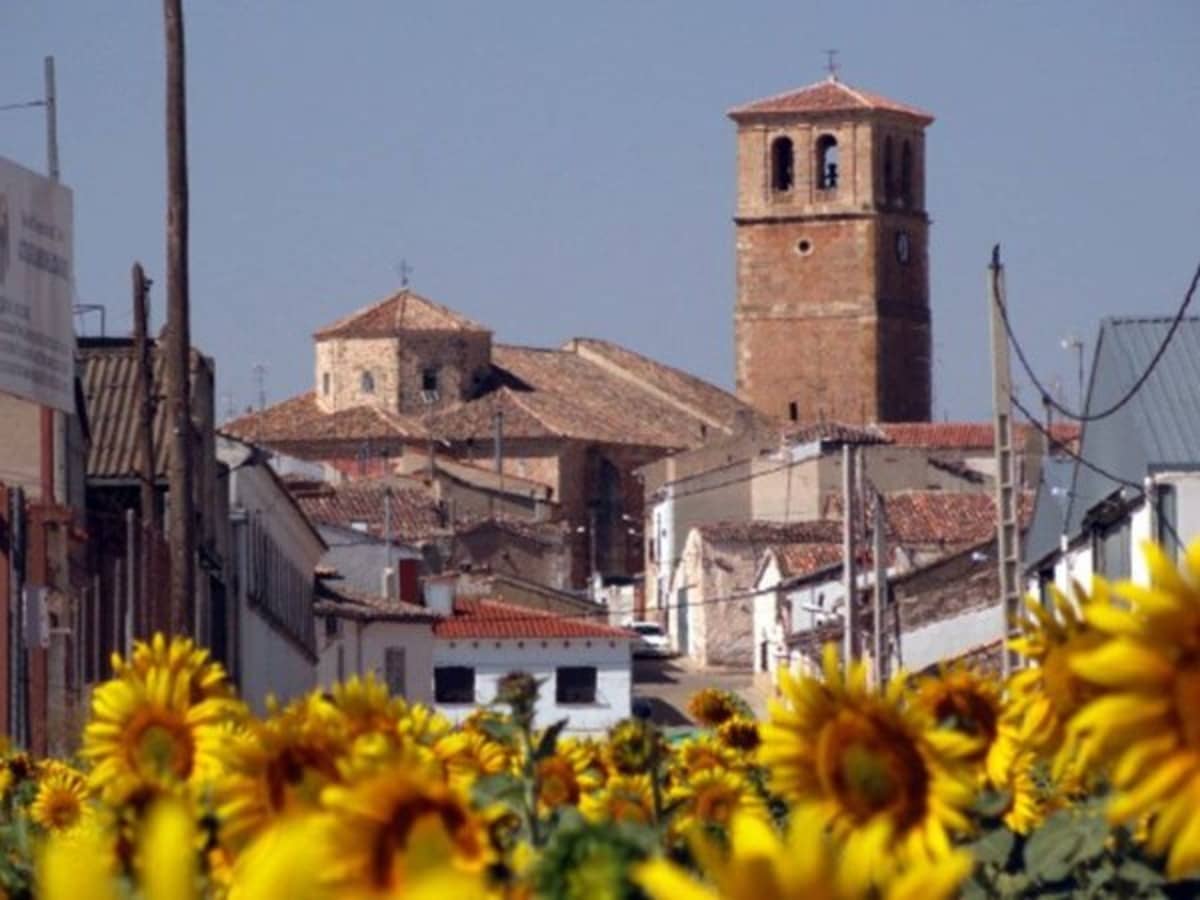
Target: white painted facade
949 638
492 659
360 646
274 554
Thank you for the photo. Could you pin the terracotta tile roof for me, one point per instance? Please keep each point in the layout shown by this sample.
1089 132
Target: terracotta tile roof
416 515
339 599
944 517
403 311
962 435
801 559
478 618
487 477
551 533
837 433
300 420
755 531
828 96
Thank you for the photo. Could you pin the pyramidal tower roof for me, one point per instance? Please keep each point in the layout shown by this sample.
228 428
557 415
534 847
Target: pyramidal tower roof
826 96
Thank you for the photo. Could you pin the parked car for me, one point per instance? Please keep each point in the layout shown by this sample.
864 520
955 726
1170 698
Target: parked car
652 640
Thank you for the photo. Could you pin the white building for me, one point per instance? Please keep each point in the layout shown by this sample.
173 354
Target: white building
274 554
1140 478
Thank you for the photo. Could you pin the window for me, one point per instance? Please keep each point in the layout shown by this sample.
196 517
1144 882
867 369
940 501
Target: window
889 173
368 383
575 684
325 383
794 411
429 378
783 164
1112 550
827 162
906 164
331 626
454 684
393 670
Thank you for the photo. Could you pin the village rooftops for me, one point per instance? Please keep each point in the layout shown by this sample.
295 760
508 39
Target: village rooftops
361 505
403 311
755 531
827 96
476 618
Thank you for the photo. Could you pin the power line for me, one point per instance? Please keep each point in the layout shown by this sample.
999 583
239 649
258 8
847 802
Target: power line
1080 416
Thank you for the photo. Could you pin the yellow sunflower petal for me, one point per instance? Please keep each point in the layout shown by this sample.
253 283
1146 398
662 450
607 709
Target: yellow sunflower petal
1122 662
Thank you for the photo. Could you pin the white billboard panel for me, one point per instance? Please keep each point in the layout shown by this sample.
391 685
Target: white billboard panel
37 341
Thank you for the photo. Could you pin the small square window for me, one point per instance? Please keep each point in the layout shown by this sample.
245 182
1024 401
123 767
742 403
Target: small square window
429 378
325 383
454 684
575 684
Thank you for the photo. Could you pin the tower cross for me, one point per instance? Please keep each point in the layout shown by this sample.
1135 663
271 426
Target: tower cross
831 65
404 270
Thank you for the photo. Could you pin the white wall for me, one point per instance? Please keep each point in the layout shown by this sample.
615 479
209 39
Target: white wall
362 647
766 615
948 638
271 663
493 659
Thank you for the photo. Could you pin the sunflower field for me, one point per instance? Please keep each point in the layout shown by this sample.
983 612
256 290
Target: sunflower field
1079 776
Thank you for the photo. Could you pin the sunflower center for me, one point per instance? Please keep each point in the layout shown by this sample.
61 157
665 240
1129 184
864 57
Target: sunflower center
559 786
873 769
63 809
715 806
1187 703
160 747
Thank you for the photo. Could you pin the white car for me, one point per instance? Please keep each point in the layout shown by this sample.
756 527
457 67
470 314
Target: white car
652 640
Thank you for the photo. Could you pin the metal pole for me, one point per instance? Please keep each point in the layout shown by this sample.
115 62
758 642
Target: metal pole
1008 536
51 119
149 618
850 619
388 574
182 531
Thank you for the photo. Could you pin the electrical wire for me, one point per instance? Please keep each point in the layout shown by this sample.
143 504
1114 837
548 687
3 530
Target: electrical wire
1081 416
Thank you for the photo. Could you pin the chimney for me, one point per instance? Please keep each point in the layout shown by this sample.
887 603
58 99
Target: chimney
439 593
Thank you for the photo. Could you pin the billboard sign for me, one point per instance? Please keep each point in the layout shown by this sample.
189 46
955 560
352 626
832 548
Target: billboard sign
37 341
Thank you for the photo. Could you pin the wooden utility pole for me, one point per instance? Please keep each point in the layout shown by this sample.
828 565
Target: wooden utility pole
849 513
149 616
1008 532
879 600
178 350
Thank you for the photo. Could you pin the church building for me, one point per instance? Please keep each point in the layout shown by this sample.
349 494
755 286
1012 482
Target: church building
832 318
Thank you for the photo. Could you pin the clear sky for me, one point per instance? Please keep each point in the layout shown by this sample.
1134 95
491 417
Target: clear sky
557 169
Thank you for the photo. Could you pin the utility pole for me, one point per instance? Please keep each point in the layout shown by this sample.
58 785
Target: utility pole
1008 532
849 514
879 600
178 350
149 616
390 577
54 426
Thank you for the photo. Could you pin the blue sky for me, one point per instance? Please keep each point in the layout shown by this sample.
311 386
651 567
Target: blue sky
563 169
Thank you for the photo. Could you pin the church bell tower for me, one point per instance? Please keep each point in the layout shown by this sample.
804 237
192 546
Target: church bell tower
832 314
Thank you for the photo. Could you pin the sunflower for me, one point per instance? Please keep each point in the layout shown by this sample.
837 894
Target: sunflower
564 777
699 754
890 787
964 700
625 798
761 866
1044 696
277 766
740 733
206 679
367 706
633 747
61 799
468 755
712 706
148 734
712 798
383 825
1146 719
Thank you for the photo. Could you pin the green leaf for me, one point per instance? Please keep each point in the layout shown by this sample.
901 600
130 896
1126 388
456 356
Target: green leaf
549 740
991 804
1051 851
994 847
503 788
1137 872
502 730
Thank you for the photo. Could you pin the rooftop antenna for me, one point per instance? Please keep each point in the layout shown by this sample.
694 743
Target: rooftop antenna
260 382
831 65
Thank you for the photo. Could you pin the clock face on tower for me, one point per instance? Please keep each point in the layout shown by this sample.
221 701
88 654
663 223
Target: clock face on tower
903 249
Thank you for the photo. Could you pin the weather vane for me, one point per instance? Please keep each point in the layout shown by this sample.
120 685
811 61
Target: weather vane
831 65
404 270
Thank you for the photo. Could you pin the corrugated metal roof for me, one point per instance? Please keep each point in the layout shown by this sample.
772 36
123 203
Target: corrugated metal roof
1050 508
1159 427
109 376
